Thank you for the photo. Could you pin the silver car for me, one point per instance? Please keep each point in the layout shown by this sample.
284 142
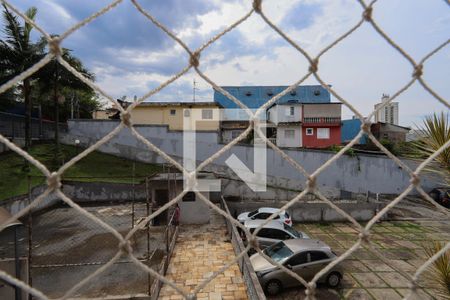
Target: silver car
273 232
306 257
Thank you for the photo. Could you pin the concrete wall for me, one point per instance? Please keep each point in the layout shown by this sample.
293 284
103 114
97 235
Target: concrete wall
313 211
89 193
83 192
282 113
195 212
295 141
377 174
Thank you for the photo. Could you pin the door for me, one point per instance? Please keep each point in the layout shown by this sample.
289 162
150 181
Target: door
295 264
317 260
161 198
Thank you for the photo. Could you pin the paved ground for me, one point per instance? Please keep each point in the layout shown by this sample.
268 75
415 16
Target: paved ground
199 251
366 276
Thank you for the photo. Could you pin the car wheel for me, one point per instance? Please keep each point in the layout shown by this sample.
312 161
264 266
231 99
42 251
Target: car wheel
333 279
251 252
434 196
273 287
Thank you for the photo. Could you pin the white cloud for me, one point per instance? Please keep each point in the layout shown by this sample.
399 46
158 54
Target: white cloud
360 68
53 15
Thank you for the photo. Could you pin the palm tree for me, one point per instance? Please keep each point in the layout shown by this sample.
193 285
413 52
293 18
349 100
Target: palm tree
438 274
435 132
55 81
17 54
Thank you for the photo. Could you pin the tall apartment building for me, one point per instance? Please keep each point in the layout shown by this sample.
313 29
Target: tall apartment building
389 113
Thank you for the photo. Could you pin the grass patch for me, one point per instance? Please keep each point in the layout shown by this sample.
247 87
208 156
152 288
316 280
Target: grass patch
409 226
96 167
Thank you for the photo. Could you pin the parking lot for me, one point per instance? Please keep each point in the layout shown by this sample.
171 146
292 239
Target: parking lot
365 275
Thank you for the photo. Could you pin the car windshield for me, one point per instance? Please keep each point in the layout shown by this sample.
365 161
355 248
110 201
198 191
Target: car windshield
253 213
278 252
292 231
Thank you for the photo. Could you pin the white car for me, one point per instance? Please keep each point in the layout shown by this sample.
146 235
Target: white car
273 232
264 213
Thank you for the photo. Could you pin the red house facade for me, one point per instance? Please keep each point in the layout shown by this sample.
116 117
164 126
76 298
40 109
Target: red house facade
321 125
306 125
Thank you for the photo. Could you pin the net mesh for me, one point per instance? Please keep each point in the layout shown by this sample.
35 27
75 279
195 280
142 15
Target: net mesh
124 249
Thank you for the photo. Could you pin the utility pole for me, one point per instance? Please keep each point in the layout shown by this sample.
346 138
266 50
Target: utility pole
55 102
194 88
71 105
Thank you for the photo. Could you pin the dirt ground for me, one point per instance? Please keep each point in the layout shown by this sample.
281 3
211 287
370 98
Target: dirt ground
67 247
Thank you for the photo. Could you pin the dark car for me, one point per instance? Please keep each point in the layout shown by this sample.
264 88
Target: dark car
441 196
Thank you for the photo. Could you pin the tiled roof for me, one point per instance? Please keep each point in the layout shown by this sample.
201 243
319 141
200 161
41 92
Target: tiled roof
255 96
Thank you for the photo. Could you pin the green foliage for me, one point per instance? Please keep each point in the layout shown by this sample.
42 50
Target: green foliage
389 145
96 167
334 148
18 53
351 152
435 133
438 274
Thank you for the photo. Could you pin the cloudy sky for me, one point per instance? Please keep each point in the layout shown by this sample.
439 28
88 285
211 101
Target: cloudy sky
130 56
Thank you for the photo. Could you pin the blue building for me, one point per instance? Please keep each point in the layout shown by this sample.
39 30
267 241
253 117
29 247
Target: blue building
255 96
234 121
350 129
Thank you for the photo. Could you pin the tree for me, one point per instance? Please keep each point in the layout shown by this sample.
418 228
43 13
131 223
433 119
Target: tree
7 98
438 273
17 54
55 82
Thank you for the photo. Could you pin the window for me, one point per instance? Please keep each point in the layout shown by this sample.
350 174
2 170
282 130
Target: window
263 216
173 112
298 259
292 231
309 131
323 133
272 233
253 213
189 197
278 252
279 234
187 113
264 232
317 255
289 111
235 134
207 114
289 133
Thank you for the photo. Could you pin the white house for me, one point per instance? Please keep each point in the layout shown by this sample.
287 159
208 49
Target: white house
287 117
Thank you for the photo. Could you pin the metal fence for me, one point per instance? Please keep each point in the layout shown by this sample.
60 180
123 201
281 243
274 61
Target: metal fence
125 245
254 289
61 246
13 126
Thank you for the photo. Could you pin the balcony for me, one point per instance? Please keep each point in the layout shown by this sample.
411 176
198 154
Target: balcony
322 121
